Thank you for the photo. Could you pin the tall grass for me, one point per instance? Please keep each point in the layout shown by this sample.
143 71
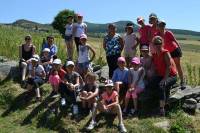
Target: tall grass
193 74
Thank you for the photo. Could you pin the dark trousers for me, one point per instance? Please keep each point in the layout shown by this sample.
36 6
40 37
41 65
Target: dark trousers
112 63
77 42
154 83
65 92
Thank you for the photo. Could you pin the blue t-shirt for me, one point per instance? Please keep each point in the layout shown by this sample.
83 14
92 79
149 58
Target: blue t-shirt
120 75
53 49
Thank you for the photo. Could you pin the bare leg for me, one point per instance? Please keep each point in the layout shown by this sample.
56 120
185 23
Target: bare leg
126 103
84 94
24 69
117 110
179 68
135 103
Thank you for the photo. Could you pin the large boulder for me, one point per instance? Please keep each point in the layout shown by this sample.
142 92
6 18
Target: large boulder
7 69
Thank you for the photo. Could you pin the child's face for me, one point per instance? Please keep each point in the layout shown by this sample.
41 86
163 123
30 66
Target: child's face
161 28
109 90
80 19
144 53
90 80
153 21
121 64
70 20
70 68
135 66
83 41
55 72
141 23
45 54
129 30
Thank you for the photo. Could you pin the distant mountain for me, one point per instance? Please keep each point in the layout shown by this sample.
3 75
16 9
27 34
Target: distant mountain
92 27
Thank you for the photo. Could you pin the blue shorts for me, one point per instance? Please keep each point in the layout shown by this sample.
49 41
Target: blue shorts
68 38
84 66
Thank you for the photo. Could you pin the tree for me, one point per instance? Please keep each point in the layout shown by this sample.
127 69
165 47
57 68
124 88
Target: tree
60 20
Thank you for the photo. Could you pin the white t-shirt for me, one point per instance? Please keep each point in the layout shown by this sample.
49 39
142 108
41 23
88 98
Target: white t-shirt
83 55
129 42
68 29
38 70
79 29
135 76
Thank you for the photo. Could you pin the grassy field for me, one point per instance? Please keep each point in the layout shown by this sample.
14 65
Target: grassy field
21 114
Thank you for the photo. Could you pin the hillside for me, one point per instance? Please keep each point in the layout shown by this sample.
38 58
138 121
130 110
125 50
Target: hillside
92 27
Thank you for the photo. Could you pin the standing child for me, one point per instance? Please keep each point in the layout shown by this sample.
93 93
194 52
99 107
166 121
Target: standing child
68 37
54 80
83 55
136 86
130 43
108 103
89 91
120 78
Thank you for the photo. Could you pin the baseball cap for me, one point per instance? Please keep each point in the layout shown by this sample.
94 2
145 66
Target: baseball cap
35 58
157 40
57 61
46 50
153 15
69 63
83 36
144 47
121 59
135 60
109 83
161 22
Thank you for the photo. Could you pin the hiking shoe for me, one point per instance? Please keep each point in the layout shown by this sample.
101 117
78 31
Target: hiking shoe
63 102
183 85
122 128
91 125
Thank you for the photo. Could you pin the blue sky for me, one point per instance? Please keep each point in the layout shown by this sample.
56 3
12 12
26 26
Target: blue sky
179 14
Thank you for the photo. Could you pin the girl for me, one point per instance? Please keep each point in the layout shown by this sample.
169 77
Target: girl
83 55
130 43
108 103
68 37
54 80
136 86
89 92
46 61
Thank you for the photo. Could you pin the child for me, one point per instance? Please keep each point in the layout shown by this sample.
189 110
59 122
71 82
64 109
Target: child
130 43
147 62
89 91
108 103
136 83
120 78
68 37
144 32
36 76
54 80
69 86
46 60
83 55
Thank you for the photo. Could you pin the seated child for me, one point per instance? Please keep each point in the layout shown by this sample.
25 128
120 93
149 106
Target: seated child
69 86
54 80
108 103
83 55
46 61
120 78
136 84
89 92
36 76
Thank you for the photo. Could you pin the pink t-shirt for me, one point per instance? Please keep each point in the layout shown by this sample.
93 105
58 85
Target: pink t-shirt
143 31
109 99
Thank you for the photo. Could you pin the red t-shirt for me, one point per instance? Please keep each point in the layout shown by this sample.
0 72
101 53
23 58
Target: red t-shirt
170 42
109 99
160 65
61 73
143 31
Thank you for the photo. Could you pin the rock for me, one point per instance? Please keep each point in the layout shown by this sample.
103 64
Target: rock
164 125
104 73
190 105
8 68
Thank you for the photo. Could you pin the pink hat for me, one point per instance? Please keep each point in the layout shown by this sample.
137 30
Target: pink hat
139 19
135 60
121 59
83 36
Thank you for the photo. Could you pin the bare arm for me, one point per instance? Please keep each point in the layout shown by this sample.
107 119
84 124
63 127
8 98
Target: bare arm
93 53
20 52
114 103
93 94
140 76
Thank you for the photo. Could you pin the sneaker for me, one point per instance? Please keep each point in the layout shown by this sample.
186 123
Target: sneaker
63 102
122 128
91 125
183 85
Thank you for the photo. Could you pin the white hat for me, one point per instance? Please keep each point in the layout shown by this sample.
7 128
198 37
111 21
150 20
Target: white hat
46 50
69 63
109 83
35 58
57 61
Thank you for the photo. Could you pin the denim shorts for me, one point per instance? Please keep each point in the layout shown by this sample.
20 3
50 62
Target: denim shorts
68 38
84 65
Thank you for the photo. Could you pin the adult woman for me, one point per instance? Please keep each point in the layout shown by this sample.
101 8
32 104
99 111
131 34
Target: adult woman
113 45
165 70
171 44
26 51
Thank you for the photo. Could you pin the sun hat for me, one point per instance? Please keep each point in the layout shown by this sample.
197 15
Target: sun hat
57 61
135 60
83 36
46 50
157 40
121 59
140 19
109 83
69 63
153 15
35 58
144 48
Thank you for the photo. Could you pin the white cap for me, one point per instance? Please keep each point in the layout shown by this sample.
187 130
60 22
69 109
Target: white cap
109 83
57 61
35 58
46 50
69 63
